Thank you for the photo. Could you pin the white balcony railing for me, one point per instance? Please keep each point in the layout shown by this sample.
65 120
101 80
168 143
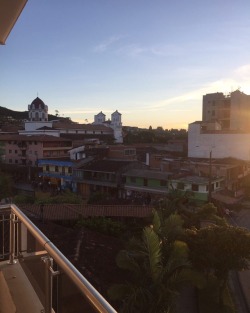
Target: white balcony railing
57 283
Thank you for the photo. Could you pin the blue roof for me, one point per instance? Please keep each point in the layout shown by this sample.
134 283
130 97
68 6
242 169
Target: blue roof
55 162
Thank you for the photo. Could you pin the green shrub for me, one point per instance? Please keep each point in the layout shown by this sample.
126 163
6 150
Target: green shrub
103 225
23 199
65 197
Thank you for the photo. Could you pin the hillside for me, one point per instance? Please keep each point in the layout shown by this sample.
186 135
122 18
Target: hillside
14 117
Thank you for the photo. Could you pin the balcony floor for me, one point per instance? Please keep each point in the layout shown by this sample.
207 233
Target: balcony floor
16 292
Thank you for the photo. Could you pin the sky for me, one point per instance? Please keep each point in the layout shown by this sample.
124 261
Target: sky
152 60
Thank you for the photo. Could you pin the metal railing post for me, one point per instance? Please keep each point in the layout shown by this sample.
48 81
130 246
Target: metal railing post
48 284
12 238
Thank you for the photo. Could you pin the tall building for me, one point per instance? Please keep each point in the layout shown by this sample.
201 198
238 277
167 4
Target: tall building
231 111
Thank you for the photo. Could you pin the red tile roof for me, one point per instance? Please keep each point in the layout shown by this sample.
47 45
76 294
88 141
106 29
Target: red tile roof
76 211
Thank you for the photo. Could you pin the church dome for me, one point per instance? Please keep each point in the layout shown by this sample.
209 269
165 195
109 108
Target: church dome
37 103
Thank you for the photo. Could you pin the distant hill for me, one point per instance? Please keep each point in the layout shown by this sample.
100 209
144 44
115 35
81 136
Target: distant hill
16 116
4 113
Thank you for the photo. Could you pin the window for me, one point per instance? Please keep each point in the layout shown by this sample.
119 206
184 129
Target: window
163 183
63 170
10 160
133 179
195 187
47 168
145 182
10 151
69 170
16 161
180 186
56 168
15 151
129 151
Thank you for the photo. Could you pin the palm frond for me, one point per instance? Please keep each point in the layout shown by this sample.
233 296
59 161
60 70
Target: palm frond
153 250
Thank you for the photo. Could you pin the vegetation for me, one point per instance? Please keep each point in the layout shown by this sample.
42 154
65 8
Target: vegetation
64 197
217 250
158 135
23 199
5 186
179 248
157 269
103 225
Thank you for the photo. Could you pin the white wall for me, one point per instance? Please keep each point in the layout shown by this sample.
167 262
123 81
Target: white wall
29 126
222 145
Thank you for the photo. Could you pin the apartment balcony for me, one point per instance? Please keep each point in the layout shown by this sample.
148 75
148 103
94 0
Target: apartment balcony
35 276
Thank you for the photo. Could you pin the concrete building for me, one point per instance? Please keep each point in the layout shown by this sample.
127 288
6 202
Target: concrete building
26 150
231 111
221 144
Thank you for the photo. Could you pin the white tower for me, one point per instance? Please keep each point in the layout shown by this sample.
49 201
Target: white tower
116 124
99 118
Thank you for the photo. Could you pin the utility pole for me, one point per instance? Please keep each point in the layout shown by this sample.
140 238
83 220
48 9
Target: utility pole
210 178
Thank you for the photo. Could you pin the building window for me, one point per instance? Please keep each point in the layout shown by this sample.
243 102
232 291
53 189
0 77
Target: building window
145 182
15 151
180 186
129 151
69 170
10 160
133 179
47 168
16 161
63 170
195 187
163 183
56 168
10 151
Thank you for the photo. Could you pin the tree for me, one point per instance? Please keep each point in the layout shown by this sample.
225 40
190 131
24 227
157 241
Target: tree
217 250
5 186
157 270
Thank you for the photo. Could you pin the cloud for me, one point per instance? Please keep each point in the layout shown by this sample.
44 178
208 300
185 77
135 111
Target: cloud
134 50
102 47
240 79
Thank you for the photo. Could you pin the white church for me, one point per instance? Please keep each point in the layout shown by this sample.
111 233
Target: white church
39 124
